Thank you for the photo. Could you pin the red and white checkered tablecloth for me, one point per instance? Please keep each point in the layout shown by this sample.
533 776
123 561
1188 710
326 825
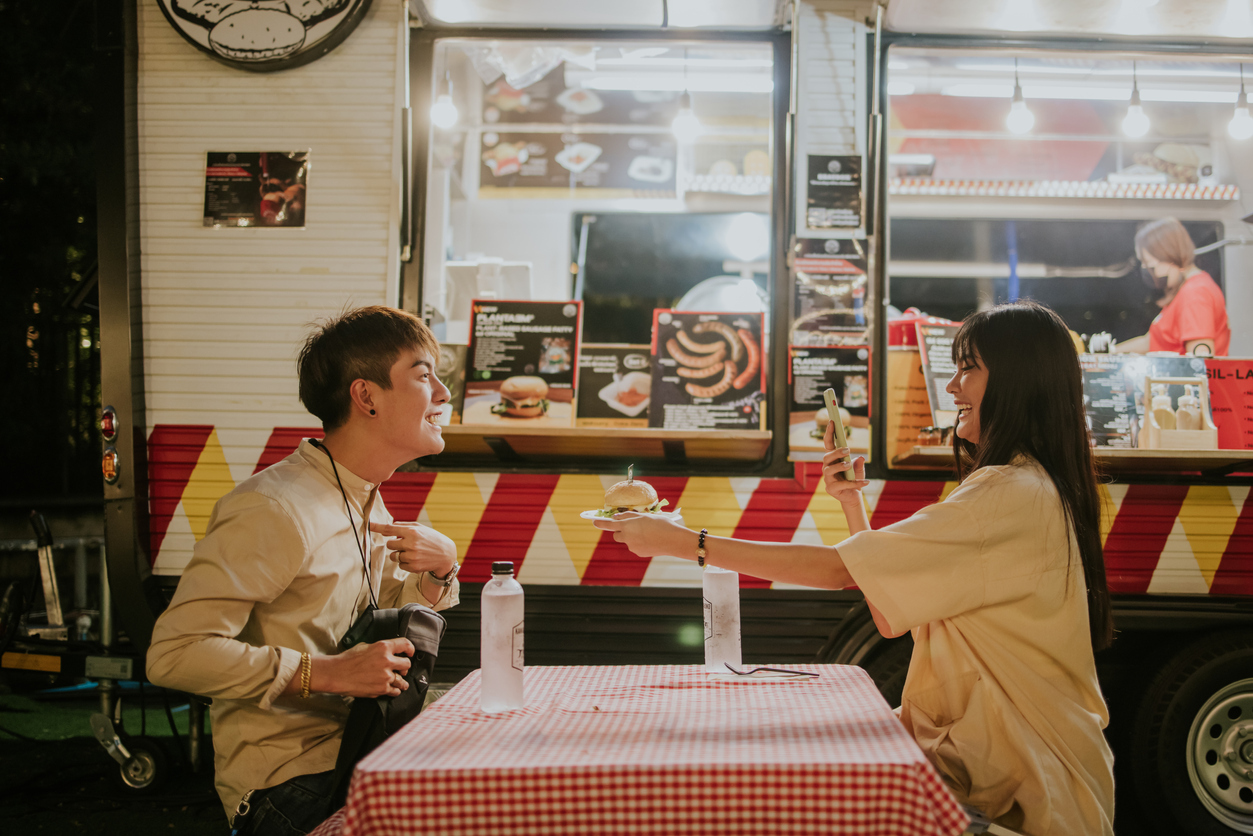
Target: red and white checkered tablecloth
654 750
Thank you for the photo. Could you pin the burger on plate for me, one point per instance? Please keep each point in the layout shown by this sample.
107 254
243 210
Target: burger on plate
632 495
522 396
821 419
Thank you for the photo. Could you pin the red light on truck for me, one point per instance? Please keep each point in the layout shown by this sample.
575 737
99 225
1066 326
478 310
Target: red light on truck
109 466
108 423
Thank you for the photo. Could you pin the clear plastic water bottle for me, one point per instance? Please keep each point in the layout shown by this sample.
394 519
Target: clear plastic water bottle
722 619
501 650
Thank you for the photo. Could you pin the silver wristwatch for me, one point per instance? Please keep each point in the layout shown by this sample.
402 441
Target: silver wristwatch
446 580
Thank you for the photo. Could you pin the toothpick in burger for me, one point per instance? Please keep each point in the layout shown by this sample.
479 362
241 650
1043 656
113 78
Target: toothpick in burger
522 396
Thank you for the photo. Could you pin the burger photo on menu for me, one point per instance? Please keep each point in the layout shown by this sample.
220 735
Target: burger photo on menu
522 396
708 371
520 363
814 369
631 494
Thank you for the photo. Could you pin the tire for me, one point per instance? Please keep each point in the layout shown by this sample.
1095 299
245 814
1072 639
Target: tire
888 667
146 770
1192 744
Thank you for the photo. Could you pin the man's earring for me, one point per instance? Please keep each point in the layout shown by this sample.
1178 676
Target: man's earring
371 411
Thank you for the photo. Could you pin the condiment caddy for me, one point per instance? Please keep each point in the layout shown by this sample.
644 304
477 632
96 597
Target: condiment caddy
1186 425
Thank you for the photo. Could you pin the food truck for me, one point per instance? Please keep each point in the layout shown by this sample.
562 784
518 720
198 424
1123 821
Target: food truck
685 220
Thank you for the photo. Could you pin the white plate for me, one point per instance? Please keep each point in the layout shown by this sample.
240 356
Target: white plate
579 101
578 157
595 515
651 169
610 396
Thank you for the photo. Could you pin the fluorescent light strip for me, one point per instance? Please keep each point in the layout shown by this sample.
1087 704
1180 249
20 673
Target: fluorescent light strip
1105 94
720 83
1023 70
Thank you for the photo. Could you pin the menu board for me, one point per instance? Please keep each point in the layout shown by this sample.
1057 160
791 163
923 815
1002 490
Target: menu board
936 345
1231 402
1113 392
520 364
550 164
812 370
833 192
829 282
549 101
707 371
615 384
451 371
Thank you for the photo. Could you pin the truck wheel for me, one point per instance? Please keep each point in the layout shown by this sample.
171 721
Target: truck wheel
1192 745
888 667
147 769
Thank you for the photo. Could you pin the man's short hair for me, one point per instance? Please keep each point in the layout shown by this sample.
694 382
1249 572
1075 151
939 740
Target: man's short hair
360 344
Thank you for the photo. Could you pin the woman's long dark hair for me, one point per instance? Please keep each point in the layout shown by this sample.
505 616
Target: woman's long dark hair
1033 404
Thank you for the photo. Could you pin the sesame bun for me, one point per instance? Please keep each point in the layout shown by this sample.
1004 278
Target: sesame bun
257 35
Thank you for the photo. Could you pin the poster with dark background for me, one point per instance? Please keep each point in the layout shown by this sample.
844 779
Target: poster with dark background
833 192
814 369
829 277
707 371
615 383
255 188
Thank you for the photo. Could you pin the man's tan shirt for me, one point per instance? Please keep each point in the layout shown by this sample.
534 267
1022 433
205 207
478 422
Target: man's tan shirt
277 574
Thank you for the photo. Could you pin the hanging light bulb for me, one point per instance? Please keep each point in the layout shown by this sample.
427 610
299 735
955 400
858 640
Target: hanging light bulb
686 126
1241 124
1135 123
444 112
1020 119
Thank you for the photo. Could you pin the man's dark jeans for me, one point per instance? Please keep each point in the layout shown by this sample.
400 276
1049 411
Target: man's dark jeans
293 808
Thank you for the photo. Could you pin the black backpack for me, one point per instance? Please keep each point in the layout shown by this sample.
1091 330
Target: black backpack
371 721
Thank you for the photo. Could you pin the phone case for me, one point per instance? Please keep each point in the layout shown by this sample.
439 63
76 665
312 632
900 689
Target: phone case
833 410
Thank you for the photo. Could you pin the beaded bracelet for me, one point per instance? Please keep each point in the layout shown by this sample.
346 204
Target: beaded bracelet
700 548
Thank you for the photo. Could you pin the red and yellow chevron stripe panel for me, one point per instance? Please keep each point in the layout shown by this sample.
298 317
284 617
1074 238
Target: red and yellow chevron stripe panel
1158 538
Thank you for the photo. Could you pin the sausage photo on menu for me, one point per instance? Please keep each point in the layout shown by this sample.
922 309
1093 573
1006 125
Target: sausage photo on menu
754 359
698 361
701 374
696 346
715 390
727 333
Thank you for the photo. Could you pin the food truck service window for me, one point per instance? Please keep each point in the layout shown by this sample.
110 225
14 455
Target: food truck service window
1026 175
597 229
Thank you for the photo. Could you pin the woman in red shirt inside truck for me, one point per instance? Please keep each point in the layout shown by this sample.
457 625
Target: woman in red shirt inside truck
1194 316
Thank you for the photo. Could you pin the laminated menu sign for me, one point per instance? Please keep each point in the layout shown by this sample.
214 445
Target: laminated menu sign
814 369
597 164
1113 392
520 364
833 192
707 371
257 188
614 385
936 344
1231 401
829 278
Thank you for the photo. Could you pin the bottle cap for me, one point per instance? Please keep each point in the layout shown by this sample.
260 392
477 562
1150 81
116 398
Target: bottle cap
502 567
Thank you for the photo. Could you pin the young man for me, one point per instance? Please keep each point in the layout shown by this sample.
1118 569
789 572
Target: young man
292 556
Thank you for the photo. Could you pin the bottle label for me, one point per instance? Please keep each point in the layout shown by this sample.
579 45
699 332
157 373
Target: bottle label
517 646
709 619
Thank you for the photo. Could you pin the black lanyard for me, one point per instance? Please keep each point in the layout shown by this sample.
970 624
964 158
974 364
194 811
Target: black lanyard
352 521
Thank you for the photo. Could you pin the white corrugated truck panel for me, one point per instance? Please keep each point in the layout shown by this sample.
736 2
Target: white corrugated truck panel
225 310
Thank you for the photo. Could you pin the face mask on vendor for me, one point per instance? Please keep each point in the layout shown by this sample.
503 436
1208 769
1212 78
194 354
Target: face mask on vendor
1155 274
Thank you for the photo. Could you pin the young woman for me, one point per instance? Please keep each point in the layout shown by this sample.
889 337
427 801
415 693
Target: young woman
1002 584
1194 315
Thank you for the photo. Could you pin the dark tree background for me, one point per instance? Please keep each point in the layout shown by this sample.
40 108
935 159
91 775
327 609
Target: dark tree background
49 330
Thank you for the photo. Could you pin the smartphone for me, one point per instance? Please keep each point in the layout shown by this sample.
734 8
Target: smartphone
841 440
